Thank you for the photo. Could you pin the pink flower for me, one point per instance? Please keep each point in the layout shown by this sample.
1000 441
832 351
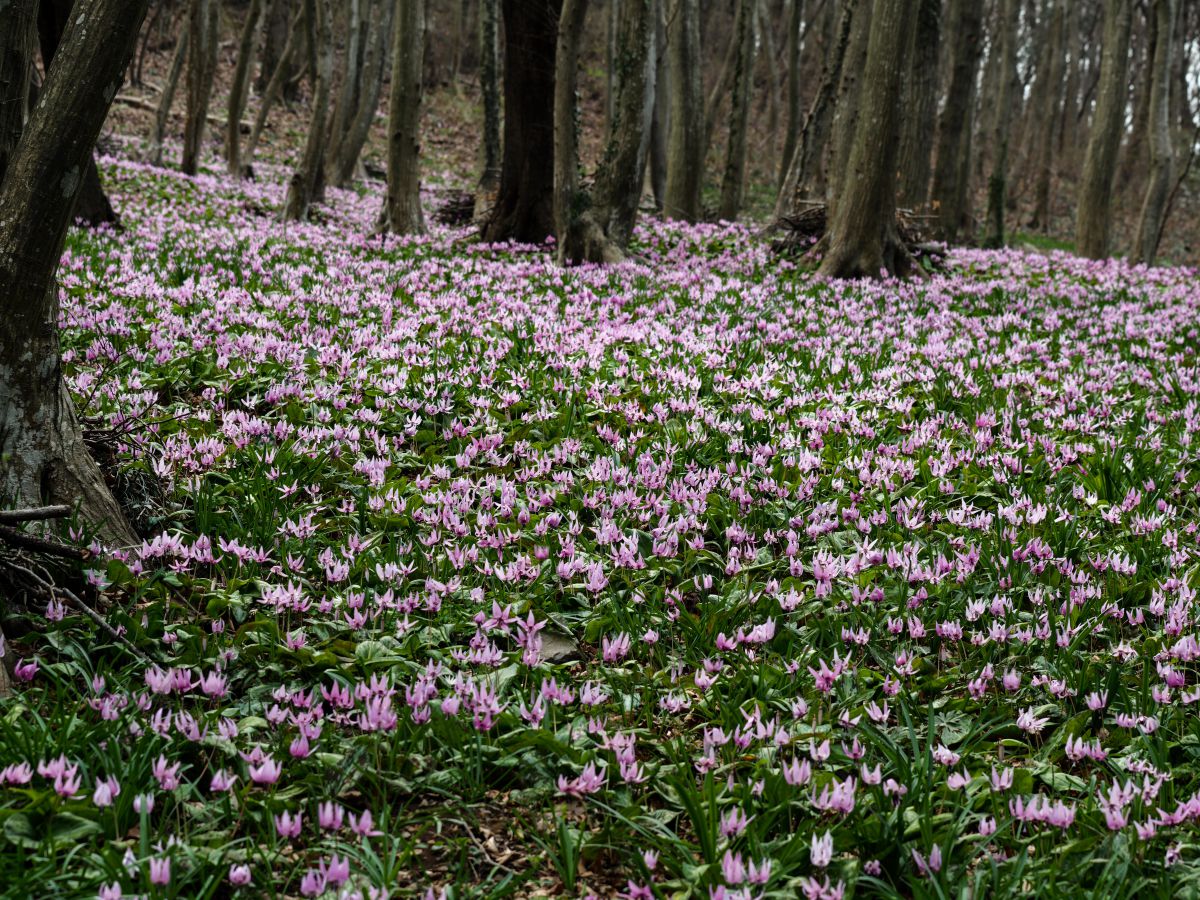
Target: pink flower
239 875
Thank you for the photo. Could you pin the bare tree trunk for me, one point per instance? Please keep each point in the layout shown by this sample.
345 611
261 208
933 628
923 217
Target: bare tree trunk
42 455
1154 204
720 86
240 88
794 94
952 166
402 210
163 112
351 87
274 87
1093 215
489 89
524 209
275 35
303 184
18 27
685 140
660 120
862 238
1131 161
367 102
201 69
1010 12
1047 97
764 34
820 117
845 110
921 100
739 112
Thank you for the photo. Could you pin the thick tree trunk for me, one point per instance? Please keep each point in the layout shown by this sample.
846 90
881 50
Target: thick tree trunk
952 167
845 110
1048 96
1010 12
274 88
1093 215
820 117
863 239
489 89
685 140
163 112
524 210
402 210
1154 204
303 184
42 455
920 104
367 102
241 88
733 180
201 69
795 24
661 119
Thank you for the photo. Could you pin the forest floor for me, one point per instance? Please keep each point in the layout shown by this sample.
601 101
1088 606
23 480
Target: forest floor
693 576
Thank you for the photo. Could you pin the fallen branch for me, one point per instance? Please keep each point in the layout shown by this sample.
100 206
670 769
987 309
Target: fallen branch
147 106
23 541
34 514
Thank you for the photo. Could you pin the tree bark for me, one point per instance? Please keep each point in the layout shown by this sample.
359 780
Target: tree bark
1010 12
1154 204
685 139
351 87
1093 215
274 88
201 70
18 26
845 110
795 24
660 119
524 210
402 211
951 172
303 184
1048 97
275 35
489 89
367 102
920 103
733 180
863 239
241 88
163 111
42 455
720 86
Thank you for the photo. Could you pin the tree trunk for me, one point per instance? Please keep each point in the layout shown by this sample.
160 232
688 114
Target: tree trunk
489 89
1010 12
201 69
685 140
1093 217
402 210
275 35
764 33
739 113
1131 161
274 88
845 110
240 89
1154 204
820 117
351 87
18 24
524 210
952 166
720 86
163 112
920 103
1048 98
367 102
660 120
863 239
794 95
42 454
303 184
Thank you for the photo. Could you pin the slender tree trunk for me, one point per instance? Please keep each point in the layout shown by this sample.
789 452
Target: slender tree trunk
720 87
1154 204
274 88
1068 131
275 35
921 85
1048 98
1093 215
820 117
685 140
863 238
201 69
1010 12
661 119
241 88
42 455
524 209
402 212
367 102
489 89
303 184
1131 161
351 88
764 34
739 113
163 112
795 24
951 171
